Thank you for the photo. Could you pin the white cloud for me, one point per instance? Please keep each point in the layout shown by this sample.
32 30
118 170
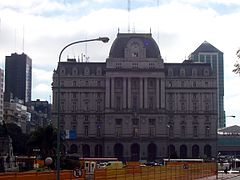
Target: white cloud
42 75
178 26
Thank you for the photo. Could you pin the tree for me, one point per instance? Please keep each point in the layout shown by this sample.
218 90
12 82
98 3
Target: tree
44 138
237 65
19 139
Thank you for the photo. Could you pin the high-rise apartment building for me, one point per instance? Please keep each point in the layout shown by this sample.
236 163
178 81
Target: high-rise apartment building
1 94
136 107
207 53
18 77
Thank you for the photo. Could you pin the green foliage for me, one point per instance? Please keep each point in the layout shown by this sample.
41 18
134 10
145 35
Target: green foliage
237 65
44 138
70 164
19 139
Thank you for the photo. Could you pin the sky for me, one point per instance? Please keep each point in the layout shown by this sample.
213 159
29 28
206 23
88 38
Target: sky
41 28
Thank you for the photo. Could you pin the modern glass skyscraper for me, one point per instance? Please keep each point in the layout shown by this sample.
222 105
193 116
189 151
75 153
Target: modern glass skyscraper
207 53
18 77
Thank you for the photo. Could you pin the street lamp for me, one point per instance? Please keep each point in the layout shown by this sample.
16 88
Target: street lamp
231 116
168 148
103 39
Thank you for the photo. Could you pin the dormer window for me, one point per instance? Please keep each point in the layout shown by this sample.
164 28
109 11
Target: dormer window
135 49
135 54
86 71
182 72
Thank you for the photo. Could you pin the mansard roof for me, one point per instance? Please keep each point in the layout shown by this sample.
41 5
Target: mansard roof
206 47
120 43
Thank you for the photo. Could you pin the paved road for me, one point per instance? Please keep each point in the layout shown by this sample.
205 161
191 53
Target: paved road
222 176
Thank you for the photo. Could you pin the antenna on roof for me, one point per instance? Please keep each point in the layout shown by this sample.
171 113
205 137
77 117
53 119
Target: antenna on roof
23 40
129 8
150 31
118 30
86 53
15 39
158 24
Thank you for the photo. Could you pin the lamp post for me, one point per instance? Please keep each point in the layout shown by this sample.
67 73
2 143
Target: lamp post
103 39
168 148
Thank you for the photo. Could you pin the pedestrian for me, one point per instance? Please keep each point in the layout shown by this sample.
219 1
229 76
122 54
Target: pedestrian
226 170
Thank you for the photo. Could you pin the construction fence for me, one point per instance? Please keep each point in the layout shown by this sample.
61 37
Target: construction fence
172 171
49 175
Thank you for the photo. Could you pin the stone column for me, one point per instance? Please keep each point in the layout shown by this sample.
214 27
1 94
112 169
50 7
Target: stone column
157 93
107 95
129 93
112 93
141 93
145 93
124 93
162 93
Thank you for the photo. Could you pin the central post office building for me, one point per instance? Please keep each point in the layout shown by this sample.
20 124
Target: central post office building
133 106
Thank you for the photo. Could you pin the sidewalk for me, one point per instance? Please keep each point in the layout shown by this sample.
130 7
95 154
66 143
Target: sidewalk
222 176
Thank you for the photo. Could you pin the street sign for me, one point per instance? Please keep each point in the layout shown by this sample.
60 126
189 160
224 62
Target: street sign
77 172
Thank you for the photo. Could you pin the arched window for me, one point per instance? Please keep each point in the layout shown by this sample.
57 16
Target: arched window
118 151
182 72
73 149
208 150
135 152
98 150
183 151
152 152
86 150
195 151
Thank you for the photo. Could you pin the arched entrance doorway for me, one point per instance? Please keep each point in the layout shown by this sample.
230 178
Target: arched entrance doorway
86 150
73 149
135 152
195 151
183 151
208 150
118 151
98 150
171 151
152 152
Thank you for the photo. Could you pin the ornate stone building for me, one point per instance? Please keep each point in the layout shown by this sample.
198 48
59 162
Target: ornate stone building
136 107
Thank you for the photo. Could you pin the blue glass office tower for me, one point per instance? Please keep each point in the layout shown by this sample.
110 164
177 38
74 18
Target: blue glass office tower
207 53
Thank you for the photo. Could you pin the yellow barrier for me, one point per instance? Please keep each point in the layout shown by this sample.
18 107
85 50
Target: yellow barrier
51 175
179 171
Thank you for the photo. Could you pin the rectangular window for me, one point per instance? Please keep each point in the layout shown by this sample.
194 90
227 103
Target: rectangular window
183 131
118 131
202 58
151 131
98 131
118 103
135 132
135 121
195 131
74 106
118 122
98 106
207 131
86 131
74 95
62 106
152 122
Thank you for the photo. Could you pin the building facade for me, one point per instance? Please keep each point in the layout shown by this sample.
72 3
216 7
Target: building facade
15 112
40 114
1 94
18 77
136 107
207 53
